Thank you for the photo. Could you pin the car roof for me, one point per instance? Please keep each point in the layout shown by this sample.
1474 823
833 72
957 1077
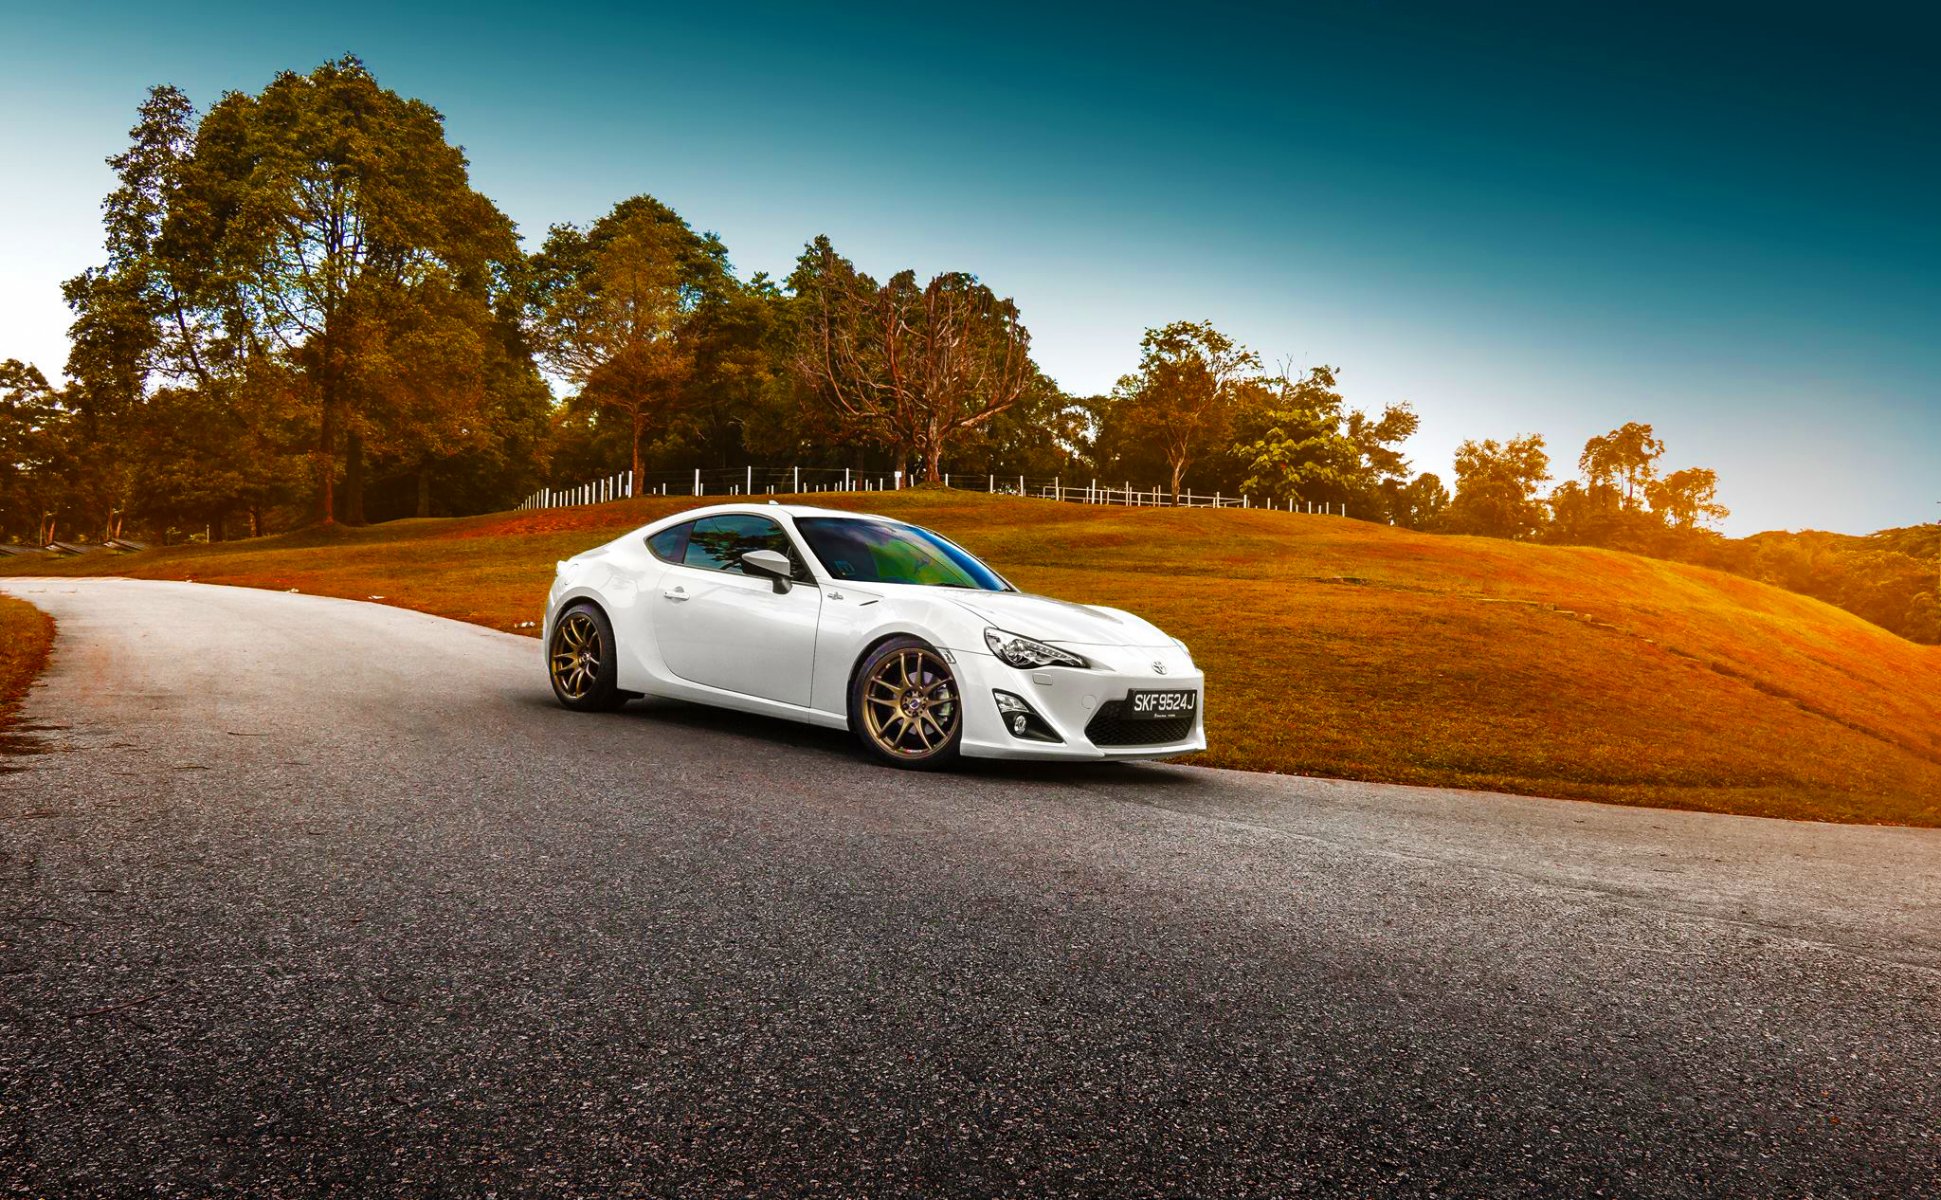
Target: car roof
769 509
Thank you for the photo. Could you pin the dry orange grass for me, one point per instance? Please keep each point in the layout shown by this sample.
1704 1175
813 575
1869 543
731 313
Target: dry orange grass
1338 648
25 635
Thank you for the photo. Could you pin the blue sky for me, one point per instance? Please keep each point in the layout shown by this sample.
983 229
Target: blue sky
1549 219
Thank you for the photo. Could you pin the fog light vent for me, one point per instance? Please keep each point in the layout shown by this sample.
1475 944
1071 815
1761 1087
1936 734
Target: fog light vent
1023 720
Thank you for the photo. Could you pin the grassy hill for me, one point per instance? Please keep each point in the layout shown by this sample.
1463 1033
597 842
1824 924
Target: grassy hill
1335 647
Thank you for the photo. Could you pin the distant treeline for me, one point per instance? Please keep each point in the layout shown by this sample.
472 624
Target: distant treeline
307 314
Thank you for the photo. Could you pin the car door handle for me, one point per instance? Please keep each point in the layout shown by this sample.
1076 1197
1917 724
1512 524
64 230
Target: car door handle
676 594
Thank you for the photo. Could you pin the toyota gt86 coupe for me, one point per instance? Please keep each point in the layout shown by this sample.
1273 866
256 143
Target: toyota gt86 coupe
868 624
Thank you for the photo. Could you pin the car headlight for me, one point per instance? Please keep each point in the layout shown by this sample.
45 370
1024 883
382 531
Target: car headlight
1021 651
1183 649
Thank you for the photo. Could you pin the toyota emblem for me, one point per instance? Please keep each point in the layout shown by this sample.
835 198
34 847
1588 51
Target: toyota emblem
1158 667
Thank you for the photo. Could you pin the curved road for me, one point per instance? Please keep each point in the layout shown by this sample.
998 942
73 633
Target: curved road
310 897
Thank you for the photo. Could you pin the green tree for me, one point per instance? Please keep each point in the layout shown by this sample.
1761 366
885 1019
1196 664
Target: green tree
1496 488
1184 396
1299 441
743 382
34 454
1042 435
132 316
332 223
614 306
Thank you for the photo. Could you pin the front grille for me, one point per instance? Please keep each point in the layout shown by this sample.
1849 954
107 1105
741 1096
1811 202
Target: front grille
1106 728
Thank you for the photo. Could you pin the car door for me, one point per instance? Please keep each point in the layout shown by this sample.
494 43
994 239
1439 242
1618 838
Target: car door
719 626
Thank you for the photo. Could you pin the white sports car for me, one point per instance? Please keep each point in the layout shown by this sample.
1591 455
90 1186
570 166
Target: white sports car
868 624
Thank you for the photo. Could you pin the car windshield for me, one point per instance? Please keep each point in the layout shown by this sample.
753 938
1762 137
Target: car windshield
868 551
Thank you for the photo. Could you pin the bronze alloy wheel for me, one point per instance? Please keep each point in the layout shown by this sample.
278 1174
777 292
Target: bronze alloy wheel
577 651
909 704
583 661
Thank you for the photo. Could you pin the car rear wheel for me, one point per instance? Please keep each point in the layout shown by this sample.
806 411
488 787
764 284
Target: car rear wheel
904 705
581 661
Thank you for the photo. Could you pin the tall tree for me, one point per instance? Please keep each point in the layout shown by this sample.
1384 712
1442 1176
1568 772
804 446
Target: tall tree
1300 441
1688 499
34 454
1496 488
133 317
613 310
912 367
333 215
1419 503
743 342
1183 396
1623 460
1042 434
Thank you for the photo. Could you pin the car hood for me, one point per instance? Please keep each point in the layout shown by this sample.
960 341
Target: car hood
1061 622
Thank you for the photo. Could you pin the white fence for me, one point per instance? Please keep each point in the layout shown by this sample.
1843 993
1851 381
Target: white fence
804 481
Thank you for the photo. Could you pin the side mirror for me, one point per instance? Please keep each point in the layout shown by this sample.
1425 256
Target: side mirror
771 563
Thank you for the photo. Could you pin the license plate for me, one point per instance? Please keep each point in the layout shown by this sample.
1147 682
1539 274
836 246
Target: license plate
1155 706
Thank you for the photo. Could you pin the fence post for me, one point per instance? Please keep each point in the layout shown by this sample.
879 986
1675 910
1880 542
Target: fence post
1020 485
798 480
990 485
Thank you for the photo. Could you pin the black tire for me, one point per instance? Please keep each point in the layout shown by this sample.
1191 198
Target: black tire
920 732
582 662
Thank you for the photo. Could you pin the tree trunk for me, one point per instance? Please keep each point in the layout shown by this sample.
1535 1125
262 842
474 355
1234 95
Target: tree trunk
640 426
1179 471
424 491
327 461
353 479
933 463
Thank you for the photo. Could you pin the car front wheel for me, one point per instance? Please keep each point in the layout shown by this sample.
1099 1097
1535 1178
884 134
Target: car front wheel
581 661
904 705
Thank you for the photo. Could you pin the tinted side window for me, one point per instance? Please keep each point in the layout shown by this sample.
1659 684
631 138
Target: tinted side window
718 543
669 545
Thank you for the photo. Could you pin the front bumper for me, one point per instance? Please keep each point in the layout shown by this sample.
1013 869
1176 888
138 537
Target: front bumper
1070 699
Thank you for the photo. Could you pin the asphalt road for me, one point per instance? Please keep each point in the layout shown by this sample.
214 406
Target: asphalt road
312 897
